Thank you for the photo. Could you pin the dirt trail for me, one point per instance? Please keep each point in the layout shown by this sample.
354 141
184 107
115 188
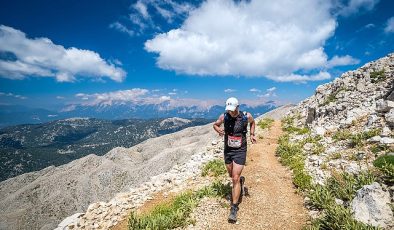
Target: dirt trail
273 203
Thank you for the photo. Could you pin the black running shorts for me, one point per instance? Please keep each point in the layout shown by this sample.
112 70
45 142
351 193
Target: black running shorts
238 157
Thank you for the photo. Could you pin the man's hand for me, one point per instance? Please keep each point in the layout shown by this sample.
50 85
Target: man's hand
221 132
253 139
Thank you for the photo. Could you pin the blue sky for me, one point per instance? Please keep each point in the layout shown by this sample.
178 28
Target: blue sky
55 53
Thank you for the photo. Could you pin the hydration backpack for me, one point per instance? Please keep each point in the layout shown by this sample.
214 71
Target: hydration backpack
228 118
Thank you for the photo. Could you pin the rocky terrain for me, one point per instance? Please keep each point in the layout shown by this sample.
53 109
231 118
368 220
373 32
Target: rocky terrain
353 118
26 148
42 199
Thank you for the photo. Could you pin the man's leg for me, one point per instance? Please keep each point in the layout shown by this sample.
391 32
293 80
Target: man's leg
229 168
236 174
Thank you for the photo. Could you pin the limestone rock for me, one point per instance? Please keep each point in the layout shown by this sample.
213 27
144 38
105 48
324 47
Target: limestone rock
371 206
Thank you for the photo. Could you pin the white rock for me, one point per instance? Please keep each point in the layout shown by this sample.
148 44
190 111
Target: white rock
374 139
390 117
320 131
386 132
371 206
69 220
387 140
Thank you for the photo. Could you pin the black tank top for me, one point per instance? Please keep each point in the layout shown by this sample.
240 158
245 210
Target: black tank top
235 126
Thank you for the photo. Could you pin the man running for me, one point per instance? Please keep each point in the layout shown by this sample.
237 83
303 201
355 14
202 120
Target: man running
235 146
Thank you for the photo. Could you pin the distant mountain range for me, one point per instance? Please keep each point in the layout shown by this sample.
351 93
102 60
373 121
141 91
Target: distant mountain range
14 115
26 148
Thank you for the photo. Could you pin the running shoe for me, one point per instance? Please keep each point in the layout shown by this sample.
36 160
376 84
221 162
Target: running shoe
232 218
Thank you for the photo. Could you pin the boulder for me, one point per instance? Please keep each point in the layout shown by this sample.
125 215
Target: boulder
383 106
371 206
390 117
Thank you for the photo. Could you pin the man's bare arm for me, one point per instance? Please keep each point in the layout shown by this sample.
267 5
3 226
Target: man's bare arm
252 128
217 124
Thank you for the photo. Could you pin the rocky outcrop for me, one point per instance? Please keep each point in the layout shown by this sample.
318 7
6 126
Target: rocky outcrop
42 199
371 206
342 113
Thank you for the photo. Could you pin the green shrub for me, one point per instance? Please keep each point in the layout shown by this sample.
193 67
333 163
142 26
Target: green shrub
342 135
385 164
318 149
291 155
176 213
357 140
321 197
214 168
345 185
341 186
265 123
338 217
377 76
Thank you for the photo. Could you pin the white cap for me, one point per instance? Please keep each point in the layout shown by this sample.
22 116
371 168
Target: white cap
231 103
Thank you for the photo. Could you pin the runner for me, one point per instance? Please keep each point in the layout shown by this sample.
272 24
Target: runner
235 147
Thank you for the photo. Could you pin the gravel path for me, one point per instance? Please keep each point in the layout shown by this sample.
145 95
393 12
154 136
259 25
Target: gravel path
272 204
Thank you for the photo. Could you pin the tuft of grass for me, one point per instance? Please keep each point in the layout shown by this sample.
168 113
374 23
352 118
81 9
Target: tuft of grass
291 155
318 149
385 164
176 213
339 217
265 123
377 76
357 140
342 135
341 186
214 168
345 185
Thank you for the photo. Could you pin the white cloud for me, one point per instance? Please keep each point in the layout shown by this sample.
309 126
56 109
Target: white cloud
144 11
171 93
13 95
131 95
370 25
40 57
302 78
229 90
254 90
252 38
60 97
342 61
354 6
271 89
120 27
389 25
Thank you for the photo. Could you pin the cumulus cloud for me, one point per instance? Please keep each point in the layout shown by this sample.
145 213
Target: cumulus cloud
252 38
131 95
389 25
229 90
138 96
13 95
342 61
40 57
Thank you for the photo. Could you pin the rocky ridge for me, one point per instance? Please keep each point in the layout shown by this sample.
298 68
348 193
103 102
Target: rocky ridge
358 104
42 199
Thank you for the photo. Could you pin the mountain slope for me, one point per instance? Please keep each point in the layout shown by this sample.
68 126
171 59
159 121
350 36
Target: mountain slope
42 199
26 148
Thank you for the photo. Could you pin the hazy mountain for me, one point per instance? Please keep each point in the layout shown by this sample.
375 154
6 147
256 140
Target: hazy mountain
14 115
26 148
